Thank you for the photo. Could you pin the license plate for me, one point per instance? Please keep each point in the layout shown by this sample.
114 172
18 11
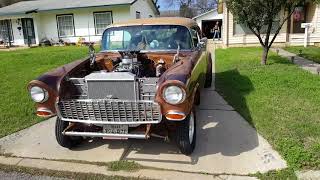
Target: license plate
116 129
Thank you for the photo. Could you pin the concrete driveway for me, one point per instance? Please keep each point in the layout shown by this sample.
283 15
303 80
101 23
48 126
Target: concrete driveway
226 144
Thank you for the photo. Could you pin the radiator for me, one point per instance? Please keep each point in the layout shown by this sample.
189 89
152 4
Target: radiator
112 85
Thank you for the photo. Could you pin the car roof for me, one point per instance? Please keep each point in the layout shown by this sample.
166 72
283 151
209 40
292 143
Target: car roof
158 21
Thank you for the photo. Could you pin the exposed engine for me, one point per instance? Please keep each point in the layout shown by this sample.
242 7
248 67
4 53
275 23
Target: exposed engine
129 86
136 64
133 77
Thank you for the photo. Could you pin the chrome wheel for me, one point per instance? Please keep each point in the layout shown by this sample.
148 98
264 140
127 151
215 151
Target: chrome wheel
191 128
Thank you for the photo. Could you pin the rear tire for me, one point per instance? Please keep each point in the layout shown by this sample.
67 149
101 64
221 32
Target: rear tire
186 134
65 141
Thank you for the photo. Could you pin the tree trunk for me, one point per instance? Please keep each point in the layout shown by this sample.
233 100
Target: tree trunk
264 57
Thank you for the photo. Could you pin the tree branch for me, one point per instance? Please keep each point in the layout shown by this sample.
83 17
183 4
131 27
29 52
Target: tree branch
253 31
280 27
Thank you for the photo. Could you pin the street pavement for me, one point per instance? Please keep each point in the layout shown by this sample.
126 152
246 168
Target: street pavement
24 176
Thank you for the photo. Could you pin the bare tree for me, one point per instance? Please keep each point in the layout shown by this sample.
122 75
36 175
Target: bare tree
264 18
190 8
205 5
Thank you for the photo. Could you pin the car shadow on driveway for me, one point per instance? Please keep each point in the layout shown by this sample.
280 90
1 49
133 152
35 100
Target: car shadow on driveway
222 134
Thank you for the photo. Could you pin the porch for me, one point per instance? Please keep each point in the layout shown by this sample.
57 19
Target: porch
18 31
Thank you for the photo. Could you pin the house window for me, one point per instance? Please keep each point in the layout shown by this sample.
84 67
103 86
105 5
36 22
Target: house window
6 34
240 29
138 15
102 20
65 25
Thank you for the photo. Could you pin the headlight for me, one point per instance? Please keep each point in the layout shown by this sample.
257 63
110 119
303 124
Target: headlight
174 94
38 94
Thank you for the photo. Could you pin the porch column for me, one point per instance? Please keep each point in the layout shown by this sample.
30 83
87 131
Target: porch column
37 31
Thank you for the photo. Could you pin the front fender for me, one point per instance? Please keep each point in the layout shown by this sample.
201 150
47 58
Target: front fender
51 82
179 75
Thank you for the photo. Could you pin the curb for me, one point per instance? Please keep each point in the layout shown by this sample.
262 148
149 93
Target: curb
308 175
89 168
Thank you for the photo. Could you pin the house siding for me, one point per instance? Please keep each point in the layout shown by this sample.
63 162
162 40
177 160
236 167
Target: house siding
142 6
245 39
83 22
318 19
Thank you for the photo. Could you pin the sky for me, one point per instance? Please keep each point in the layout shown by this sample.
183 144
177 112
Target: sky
164 6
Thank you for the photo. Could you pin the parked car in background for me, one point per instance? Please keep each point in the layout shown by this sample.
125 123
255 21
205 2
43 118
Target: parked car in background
145 82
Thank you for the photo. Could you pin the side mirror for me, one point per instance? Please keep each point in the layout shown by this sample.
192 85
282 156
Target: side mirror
203 42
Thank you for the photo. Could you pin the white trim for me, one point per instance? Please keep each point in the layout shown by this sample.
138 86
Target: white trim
205 13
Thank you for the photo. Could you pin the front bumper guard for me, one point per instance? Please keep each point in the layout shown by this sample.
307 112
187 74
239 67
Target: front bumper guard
105 135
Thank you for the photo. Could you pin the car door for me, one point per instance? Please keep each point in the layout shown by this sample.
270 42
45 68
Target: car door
199 71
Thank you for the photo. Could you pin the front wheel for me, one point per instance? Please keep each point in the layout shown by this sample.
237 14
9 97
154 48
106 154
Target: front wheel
186 134
65 141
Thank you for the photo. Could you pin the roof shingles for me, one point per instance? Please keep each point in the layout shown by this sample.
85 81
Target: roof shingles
47 5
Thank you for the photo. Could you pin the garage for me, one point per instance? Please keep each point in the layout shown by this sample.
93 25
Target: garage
208 20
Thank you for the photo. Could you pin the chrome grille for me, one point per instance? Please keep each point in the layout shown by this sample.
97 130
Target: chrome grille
109 111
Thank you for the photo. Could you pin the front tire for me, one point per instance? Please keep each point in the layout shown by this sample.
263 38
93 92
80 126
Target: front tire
186 134
65 141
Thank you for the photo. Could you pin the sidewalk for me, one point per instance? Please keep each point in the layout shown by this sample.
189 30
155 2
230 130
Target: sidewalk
97 169
305 64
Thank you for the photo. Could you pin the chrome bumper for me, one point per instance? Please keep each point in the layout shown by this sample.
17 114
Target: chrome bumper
106 135
109 111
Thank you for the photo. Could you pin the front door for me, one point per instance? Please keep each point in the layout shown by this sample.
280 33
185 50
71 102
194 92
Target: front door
28 31
6 32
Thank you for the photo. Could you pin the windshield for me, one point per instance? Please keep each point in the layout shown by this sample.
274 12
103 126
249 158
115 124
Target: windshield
147 37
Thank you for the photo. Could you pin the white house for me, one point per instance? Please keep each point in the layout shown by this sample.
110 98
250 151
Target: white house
292 33
234 34
28 22
207 21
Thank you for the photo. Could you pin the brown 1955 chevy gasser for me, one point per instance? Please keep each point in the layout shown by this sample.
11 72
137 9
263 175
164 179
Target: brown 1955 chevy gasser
143 83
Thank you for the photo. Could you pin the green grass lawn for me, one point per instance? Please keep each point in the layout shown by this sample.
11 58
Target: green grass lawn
312 53
280 100
17 69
